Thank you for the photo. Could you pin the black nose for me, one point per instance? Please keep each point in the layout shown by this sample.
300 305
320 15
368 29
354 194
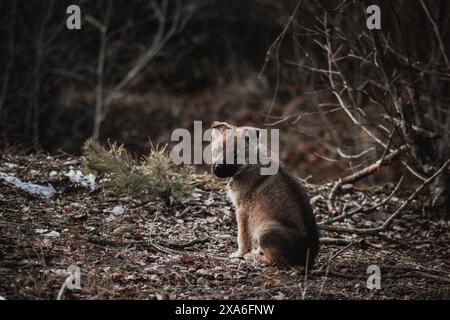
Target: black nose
223 170
217 169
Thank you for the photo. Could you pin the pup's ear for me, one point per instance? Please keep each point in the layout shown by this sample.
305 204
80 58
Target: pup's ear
221 125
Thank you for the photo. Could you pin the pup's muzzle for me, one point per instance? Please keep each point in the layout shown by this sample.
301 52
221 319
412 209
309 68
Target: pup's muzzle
224 170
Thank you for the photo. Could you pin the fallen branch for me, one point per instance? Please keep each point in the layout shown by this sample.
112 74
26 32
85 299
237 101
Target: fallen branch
335 241
163 247
360 209
389 158
330 260
184 245
396 214
423 272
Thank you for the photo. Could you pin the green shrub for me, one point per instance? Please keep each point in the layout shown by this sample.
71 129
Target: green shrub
120 173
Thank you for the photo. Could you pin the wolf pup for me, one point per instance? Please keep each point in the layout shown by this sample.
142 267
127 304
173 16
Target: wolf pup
276 224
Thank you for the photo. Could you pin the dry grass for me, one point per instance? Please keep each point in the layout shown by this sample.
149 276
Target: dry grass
119 172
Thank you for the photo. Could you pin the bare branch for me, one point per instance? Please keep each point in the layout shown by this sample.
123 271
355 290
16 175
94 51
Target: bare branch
436 32
395 215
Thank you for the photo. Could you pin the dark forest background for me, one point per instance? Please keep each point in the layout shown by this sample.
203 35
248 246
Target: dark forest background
344 96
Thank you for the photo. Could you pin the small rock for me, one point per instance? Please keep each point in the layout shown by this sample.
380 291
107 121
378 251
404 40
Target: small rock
279 296
33 173
110 218
168 288
160 296
346 196
212 219
154 277
347 186
202 272
122 230
203 282
160 269
52 173
315 199
118 210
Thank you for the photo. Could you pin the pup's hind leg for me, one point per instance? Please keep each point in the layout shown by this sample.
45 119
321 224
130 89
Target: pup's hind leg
274 246
256 255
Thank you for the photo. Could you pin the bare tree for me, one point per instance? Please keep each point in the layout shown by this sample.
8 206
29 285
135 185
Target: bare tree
170 21
391 89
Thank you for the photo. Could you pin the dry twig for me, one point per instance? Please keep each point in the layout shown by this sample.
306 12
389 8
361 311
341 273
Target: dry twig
395 215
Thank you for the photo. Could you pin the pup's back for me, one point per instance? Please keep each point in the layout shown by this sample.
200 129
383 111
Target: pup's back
281 220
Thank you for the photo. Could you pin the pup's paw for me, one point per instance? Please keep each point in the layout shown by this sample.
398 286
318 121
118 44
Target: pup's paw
251 256
236 254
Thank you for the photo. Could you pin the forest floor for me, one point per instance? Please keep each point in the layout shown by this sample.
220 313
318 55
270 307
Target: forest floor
144 248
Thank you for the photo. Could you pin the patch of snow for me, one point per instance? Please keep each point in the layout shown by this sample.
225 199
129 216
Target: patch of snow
70 162
197 195
130 277
117 210
52 173
45 191
209 202
52 234
10 165
59 272
110 218
34 172
47 234
86 181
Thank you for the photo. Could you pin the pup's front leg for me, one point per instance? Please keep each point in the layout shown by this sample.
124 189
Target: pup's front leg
243 238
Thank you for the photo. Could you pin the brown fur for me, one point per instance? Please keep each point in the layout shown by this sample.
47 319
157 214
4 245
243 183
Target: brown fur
276 224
